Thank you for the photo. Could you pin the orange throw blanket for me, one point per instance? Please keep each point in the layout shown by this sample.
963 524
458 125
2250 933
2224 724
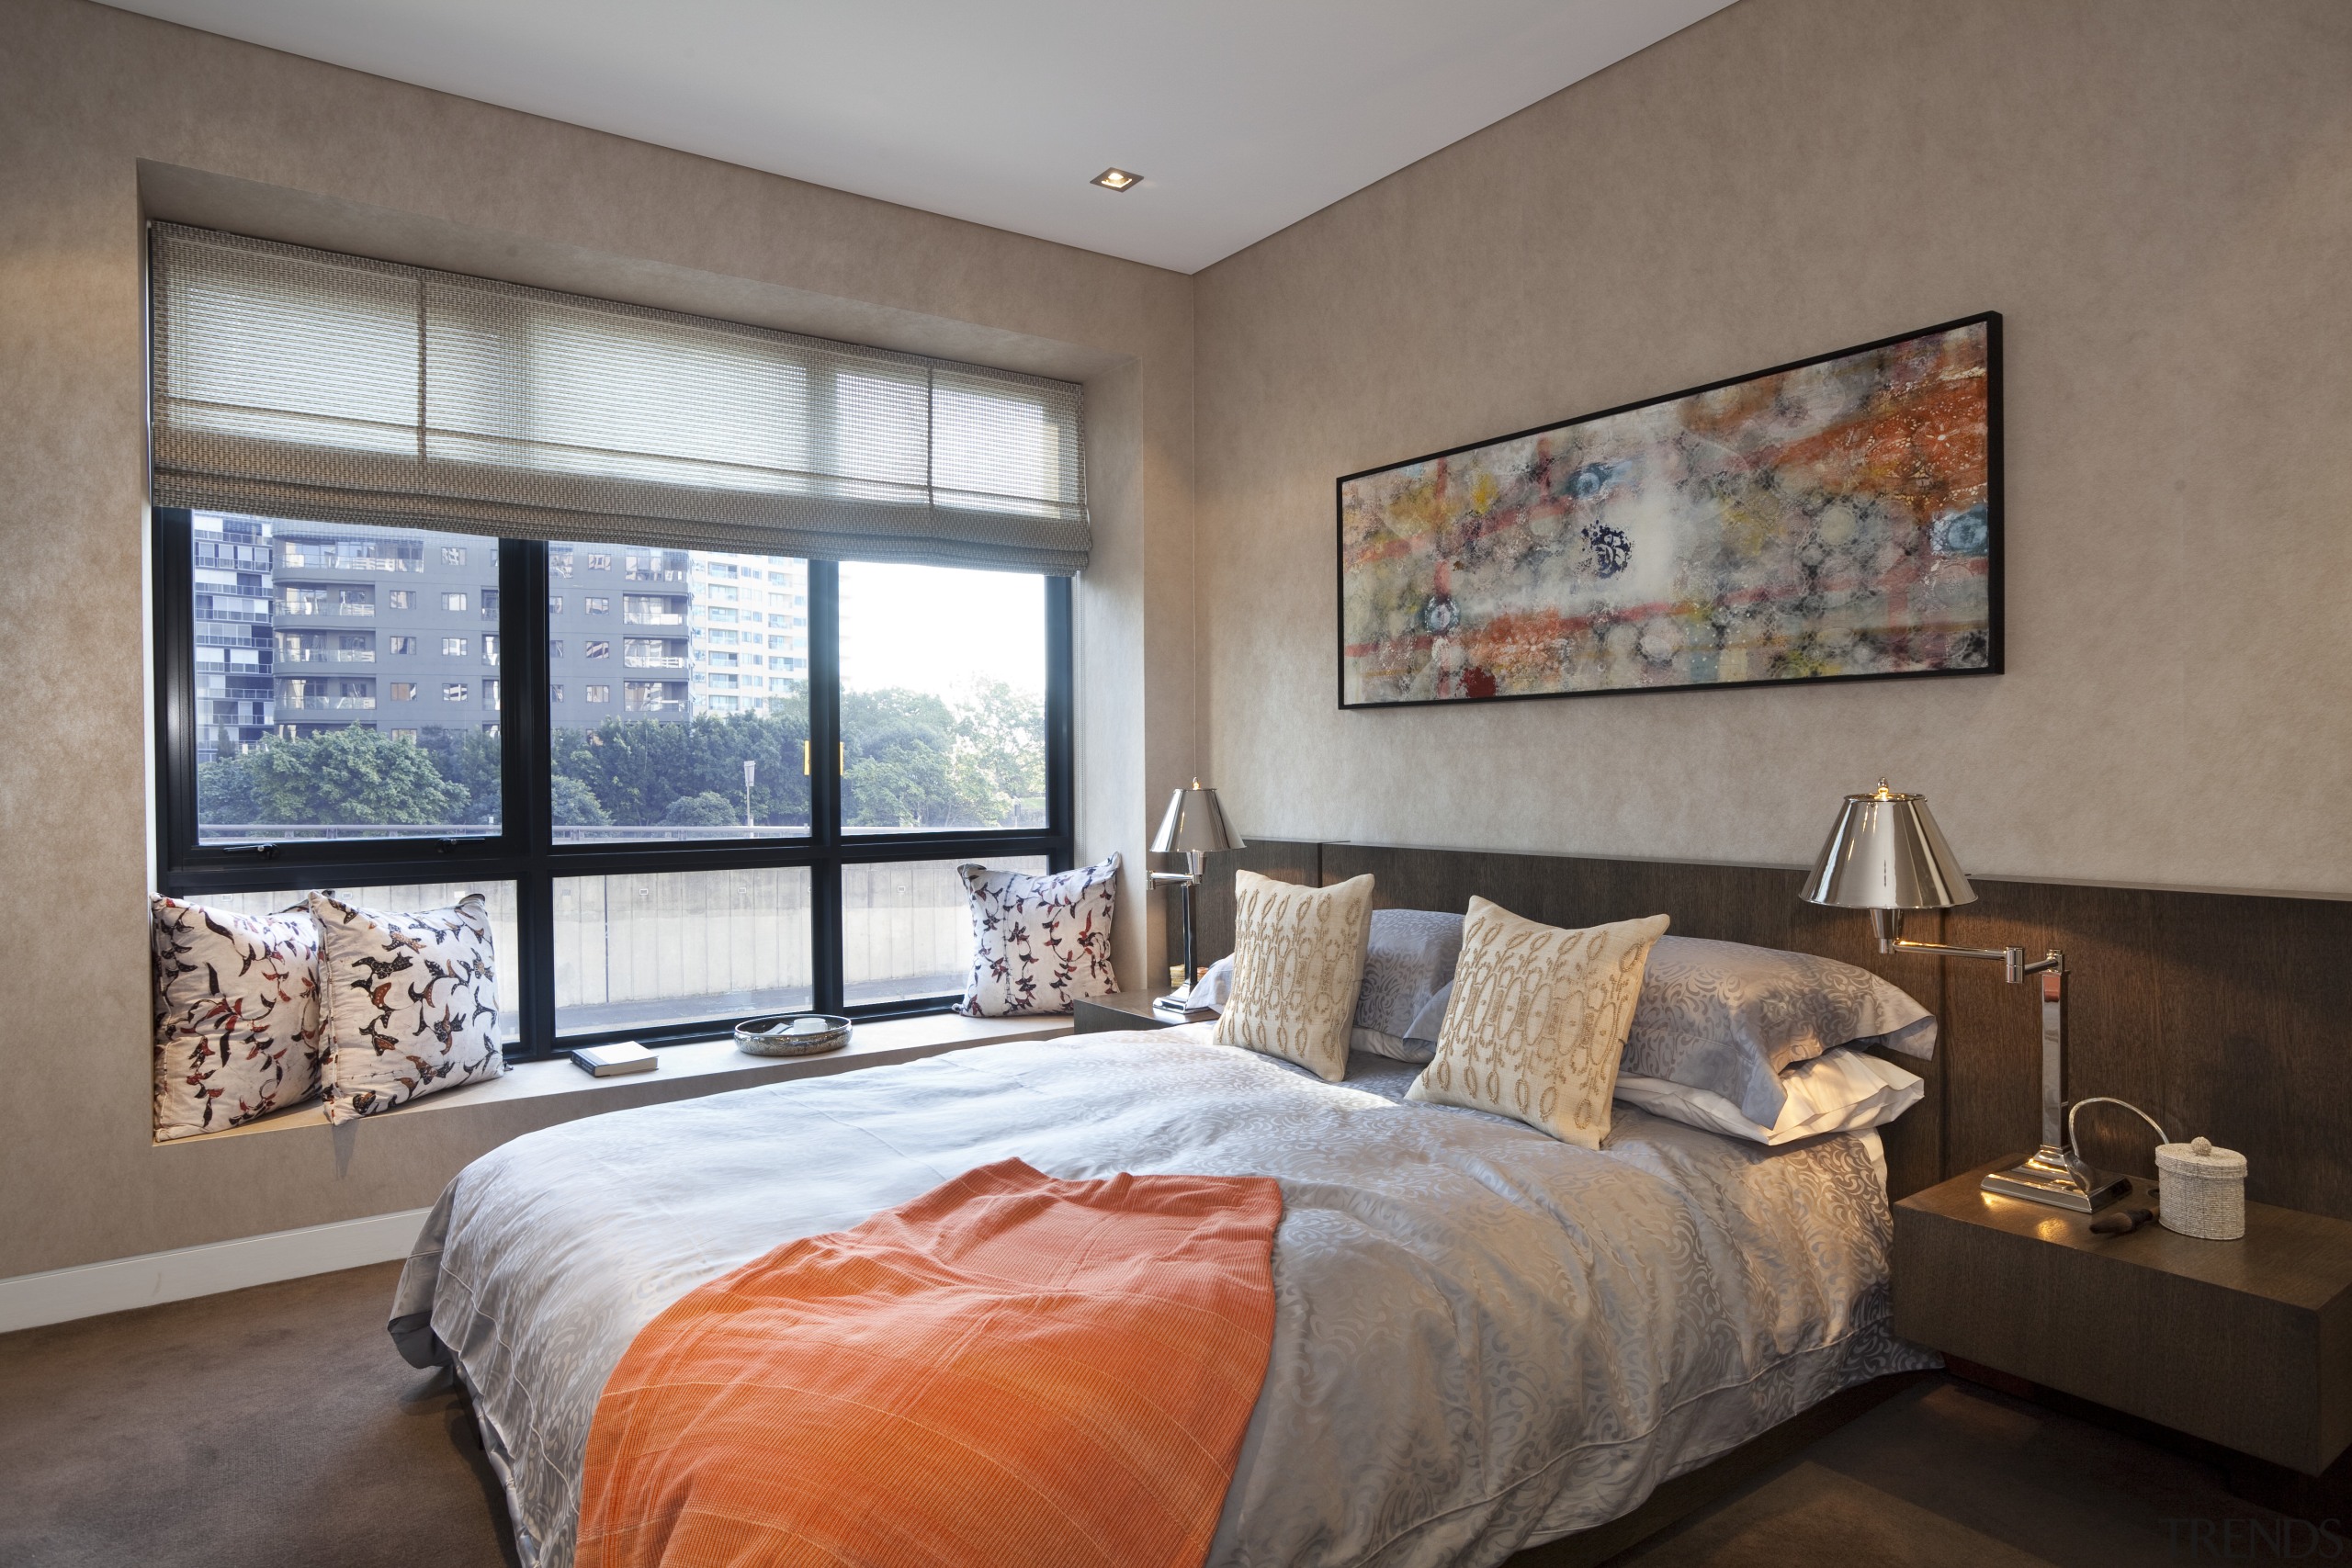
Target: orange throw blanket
1008 1370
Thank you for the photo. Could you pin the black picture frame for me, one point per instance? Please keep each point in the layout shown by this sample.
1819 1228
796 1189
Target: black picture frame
1995 522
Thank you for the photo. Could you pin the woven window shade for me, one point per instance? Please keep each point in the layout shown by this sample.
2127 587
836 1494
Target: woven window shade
301 384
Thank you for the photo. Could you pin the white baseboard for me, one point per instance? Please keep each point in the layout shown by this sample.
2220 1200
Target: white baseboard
30 1300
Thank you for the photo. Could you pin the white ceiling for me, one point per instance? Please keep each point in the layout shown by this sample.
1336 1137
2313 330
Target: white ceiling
1243 116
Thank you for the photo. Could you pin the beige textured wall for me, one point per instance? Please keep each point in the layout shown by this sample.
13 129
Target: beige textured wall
2157 194
86 94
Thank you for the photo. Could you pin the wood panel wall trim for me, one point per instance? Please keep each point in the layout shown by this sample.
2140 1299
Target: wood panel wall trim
2221 1014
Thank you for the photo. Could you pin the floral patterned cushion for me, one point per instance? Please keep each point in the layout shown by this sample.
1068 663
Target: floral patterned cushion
1039 944
409 1003
236 1015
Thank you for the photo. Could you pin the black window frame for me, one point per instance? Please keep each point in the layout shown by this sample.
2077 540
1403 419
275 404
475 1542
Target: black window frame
524 852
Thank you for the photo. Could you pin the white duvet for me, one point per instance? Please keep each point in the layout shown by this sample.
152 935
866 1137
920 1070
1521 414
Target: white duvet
1484 1338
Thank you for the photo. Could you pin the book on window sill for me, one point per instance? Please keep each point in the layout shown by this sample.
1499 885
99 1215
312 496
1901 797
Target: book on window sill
612 1061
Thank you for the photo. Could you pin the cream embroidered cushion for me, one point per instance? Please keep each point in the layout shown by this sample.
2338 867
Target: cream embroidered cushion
1297 962
1538 1020
409 1003
236 1015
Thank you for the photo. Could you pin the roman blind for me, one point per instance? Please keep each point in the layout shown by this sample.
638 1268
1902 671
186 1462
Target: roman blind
296 383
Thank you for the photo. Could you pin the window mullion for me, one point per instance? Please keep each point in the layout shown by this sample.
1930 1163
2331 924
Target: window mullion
825 780
526 793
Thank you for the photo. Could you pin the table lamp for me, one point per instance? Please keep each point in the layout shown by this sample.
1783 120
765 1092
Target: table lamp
1194 824
1887 855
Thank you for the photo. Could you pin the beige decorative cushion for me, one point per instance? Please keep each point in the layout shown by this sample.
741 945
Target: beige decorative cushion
1297 962
1538 1020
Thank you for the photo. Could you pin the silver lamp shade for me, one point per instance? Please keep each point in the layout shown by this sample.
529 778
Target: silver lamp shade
1886 852
1194 824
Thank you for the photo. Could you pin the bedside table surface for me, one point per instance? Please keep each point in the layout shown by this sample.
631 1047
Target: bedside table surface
1120 1010
2247 1343
2286 1254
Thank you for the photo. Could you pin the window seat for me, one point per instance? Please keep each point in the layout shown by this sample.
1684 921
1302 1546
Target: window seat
709 1067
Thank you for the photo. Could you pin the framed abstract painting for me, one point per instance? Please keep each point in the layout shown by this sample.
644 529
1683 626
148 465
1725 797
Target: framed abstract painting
1837 519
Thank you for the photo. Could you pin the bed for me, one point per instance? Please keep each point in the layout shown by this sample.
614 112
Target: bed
1485 1338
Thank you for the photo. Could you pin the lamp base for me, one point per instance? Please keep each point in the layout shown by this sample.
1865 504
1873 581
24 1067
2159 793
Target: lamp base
2044 1177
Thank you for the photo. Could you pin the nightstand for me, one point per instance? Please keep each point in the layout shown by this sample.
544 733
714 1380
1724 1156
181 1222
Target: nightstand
2247 1344
1120 1010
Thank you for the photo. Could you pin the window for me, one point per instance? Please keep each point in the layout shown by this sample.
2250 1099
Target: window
490 648
453 647
599 693
555 650
597 648
942 694
596 606
453 555
555 603
600 563
489 598
399 598
489 694
283 749
555 693
454 603
456 691
559 564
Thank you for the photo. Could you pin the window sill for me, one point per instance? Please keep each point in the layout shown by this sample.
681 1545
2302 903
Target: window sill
709 1066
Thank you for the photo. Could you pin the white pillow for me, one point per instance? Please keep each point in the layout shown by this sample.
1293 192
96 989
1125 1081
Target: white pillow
1214 988
1838 1092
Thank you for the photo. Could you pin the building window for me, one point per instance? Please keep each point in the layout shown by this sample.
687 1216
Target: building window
555 603
454 603
453 555
935 723
398 598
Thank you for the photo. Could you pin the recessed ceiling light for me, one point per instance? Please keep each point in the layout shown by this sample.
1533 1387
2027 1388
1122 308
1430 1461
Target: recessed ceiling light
1116 179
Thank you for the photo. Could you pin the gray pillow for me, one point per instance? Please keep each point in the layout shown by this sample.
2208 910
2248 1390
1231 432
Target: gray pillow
1409 958
1730 1018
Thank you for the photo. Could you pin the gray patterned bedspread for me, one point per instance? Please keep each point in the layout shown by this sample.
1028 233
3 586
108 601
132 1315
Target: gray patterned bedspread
1484 1338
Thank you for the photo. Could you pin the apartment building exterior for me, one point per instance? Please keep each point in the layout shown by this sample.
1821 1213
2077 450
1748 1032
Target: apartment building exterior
301 627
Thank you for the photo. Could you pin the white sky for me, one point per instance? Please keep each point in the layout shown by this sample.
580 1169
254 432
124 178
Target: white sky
931 629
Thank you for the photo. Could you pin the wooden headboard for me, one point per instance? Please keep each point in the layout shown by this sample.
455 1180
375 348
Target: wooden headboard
2221 1014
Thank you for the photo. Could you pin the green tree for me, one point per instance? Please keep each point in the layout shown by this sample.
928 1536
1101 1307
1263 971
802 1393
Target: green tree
1001 753
225 792
638 768
474 761
350 775
574 805
708 809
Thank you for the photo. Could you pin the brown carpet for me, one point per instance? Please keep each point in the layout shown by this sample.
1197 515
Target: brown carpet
275 1427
